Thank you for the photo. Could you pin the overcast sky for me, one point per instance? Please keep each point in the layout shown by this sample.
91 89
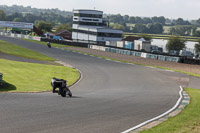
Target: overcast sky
187 9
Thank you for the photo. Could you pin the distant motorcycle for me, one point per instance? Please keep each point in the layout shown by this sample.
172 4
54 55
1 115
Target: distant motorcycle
61 84
49 45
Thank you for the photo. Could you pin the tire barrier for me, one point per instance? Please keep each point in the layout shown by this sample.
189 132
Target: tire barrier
187 60
20 36
146 55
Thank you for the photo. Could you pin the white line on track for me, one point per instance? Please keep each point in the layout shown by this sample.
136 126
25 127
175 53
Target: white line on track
160 116
169 70
150 67
118 61
130 63
81 77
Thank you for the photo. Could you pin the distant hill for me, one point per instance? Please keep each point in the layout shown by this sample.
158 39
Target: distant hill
21 9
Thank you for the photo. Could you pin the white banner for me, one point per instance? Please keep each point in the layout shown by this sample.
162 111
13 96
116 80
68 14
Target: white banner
16 24
36 38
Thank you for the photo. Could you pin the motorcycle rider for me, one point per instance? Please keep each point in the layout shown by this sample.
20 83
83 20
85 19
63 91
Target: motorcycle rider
49 44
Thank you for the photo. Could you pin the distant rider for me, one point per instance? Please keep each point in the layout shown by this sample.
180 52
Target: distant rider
49 45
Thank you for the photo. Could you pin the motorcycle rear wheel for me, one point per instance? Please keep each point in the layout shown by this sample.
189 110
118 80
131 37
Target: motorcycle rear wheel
62 92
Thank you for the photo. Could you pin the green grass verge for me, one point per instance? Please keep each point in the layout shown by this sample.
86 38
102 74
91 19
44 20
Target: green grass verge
29 77
16 50
188 121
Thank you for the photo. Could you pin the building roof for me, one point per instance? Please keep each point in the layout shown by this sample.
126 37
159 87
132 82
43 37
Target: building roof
87 10
97 28
65 34
131 38
59 32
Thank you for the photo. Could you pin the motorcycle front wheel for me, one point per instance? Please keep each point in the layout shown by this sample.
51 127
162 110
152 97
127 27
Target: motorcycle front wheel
69 93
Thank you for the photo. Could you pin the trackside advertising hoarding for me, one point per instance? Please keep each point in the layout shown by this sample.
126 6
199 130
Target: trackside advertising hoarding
20 25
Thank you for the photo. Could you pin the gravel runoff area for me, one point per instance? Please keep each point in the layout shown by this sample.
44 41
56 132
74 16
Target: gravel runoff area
172 65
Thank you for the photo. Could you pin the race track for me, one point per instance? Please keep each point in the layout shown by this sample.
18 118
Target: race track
111 97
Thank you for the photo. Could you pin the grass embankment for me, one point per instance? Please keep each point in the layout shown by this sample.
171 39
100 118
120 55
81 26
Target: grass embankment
29 77
188 121
16 50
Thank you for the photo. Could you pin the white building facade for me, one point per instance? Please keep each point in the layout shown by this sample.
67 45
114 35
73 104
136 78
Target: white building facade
142 45
89 25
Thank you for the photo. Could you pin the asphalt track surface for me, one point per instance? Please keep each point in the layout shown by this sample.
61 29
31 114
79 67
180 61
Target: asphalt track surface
111 97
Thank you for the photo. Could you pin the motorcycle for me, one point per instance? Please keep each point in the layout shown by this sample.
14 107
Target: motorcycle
61 84
49 45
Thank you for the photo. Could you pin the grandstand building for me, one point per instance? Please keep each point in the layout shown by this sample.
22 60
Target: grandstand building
89 26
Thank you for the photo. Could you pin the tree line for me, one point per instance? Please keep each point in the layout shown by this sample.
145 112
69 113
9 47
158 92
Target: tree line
45 21
153 25
35 11
50 17
119 19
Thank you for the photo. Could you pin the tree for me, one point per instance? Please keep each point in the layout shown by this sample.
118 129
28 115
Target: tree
132 20
168 21
117 26
44 26
154 19
147 20
140 28
117 18
63 27
183 30
175 43
180 21
138 20
160 20
15 15
17 20
198 21
197 33
197 47
156 28
126 18
30 18
2 15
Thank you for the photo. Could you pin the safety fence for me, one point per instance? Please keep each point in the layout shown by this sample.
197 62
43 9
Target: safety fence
21 36
136 53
